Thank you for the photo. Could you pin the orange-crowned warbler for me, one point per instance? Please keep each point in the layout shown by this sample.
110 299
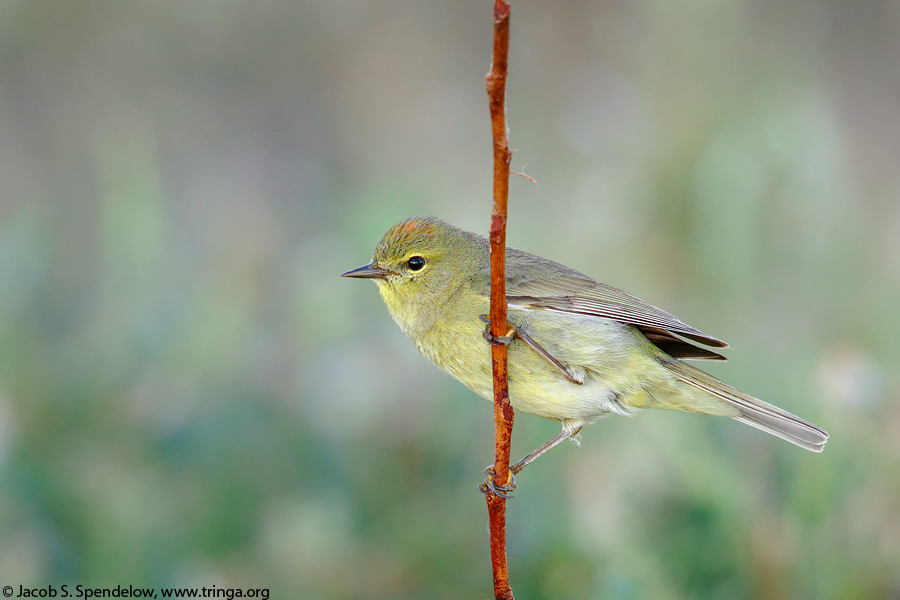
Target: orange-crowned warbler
578 349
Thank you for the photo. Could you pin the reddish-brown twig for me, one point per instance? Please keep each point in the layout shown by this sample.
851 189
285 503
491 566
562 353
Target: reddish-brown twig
503 412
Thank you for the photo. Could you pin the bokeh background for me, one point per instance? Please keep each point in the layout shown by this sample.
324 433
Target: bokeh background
190 395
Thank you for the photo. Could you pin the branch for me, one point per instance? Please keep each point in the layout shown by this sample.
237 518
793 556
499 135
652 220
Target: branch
503 412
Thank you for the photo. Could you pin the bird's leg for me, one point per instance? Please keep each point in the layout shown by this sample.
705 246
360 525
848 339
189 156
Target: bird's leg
519 332
489 487
493 340
569 430
570 375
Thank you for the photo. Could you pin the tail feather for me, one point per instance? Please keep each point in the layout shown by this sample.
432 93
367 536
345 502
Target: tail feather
752 411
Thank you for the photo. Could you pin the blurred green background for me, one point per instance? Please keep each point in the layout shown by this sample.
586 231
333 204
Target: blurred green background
191 395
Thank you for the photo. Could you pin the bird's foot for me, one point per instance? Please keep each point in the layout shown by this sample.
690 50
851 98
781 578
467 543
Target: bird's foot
501 491
492 339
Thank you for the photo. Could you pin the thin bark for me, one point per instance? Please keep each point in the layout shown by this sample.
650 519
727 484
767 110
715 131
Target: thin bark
503 412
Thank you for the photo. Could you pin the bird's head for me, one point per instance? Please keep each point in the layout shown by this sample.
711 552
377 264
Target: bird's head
418 265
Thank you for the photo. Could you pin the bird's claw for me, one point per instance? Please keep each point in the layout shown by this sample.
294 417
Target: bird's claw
492 339
501 491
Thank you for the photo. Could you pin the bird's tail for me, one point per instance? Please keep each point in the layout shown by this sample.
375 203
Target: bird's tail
752 411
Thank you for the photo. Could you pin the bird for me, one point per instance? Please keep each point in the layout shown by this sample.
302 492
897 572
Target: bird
578 349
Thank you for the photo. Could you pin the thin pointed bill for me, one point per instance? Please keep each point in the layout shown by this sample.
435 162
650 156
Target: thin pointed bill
369 271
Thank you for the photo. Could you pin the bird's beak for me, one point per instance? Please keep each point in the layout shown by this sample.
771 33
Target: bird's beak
369 271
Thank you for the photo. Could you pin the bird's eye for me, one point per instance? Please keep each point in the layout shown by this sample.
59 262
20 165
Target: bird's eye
415 263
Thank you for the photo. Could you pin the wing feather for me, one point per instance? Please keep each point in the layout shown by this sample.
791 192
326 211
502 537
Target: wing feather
536 282
753 411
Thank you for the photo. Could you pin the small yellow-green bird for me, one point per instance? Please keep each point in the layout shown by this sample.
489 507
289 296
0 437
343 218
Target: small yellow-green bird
578 349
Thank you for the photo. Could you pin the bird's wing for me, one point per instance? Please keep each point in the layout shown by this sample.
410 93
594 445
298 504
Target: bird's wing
536 282
675 346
